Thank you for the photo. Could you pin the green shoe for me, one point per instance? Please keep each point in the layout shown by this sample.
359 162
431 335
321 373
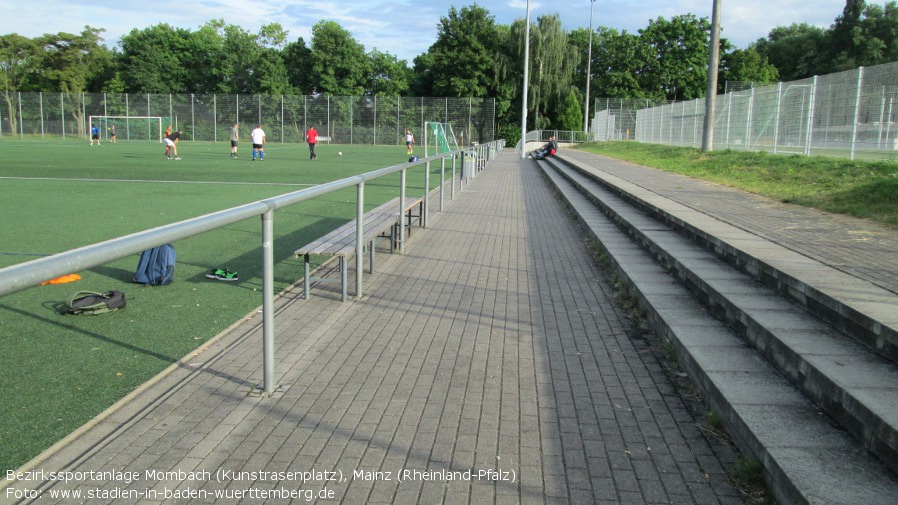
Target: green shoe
222 274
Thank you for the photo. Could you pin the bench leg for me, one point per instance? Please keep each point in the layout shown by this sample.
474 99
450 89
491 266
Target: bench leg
393 234
343 279
305 278
371 260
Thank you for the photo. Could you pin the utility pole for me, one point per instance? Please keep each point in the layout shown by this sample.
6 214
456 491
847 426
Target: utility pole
711 92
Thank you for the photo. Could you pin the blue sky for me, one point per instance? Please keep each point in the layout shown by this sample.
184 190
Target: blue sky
404 28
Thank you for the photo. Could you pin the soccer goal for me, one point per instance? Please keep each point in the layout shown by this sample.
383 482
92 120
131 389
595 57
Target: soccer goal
440 137
130 127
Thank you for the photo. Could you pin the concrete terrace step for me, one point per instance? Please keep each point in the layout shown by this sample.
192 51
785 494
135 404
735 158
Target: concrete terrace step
806 457
855 386
864 311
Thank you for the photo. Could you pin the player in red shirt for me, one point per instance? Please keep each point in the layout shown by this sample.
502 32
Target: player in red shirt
312 139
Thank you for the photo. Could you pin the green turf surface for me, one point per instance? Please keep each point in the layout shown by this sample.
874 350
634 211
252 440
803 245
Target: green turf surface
58 371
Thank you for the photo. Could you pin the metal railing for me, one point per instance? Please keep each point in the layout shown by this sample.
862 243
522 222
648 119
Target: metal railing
25 275
561 136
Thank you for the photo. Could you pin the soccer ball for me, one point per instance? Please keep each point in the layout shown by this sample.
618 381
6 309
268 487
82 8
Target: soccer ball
340 153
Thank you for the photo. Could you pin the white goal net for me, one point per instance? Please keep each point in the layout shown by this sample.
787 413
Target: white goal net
439 138
129 127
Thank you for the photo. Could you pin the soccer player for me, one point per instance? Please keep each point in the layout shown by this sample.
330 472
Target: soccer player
258 136
235 136
409 140
94 134
171 143
312 139
112 134
167 133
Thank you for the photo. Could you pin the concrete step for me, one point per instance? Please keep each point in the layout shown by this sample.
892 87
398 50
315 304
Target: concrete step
853 384
862 310
806 456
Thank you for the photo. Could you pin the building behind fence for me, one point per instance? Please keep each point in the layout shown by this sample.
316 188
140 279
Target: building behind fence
848 114
368 120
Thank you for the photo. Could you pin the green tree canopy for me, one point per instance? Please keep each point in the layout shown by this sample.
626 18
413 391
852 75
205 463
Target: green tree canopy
338 61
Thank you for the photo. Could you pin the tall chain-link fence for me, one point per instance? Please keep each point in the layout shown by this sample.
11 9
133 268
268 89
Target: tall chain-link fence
369 120
849 114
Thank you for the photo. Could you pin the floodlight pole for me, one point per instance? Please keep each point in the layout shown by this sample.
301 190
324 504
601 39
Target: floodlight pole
526 81
711 91
592 3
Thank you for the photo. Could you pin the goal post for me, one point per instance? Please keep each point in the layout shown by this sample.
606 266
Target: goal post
130 127
440 137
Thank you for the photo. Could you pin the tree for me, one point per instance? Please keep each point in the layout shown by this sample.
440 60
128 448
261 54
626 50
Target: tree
618 60
797 51
746 65
150 60
679 63
552 62
389 76
845 35
17 57
339 65
298 62
461 61
570 114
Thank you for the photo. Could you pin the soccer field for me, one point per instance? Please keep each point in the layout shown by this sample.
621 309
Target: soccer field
59 371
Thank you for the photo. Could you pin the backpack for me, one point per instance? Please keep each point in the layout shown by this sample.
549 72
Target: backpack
156 266
91 303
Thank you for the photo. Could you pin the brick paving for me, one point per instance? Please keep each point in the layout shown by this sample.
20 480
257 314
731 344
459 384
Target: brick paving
489 364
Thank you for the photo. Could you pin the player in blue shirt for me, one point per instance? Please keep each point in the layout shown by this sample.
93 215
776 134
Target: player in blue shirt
94 134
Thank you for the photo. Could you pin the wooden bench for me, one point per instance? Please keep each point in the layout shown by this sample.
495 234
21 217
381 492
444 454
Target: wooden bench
382 221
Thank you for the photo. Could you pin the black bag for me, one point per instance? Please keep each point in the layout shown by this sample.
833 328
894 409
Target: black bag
91 303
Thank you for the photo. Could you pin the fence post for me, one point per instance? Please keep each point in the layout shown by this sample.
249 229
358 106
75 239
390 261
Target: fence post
811 110
776 121
751 109
857 110
268 301
22 118
42 114
214 116
359 237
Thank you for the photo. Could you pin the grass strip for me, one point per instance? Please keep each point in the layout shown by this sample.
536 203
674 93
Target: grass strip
864 189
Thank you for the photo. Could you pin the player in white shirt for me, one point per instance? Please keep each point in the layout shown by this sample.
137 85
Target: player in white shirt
258 136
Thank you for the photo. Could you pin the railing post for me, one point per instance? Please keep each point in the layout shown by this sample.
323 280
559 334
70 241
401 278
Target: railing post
402 211
425 212
442 180
452 192
359 234
268 301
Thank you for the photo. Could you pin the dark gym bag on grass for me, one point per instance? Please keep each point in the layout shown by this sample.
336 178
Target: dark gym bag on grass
156 266
91 303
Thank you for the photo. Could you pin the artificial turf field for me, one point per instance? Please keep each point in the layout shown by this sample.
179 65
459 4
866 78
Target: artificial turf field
59 371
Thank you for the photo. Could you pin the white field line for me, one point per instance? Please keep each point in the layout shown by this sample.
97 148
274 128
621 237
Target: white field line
155 181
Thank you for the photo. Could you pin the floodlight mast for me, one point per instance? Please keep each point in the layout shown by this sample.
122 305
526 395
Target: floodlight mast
526 80
592 3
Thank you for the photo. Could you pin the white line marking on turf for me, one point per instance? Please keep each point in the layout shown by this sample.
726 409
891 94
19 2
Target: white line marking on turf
69 179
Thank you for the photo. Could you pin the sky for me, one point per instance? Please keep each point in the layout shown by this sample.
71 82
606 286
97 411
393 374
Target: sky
403 28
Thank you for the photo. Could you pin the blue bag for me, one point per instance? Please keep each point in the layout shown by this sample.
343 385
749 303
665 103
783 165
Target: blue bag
156 266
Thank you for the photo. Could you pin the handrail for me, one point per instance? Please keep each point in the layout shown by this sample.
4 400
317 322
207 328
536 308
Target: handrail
29 274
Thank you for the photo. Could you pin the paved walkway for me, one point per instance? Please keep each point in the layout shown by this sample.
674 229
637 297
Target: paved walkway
489 364
857 247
